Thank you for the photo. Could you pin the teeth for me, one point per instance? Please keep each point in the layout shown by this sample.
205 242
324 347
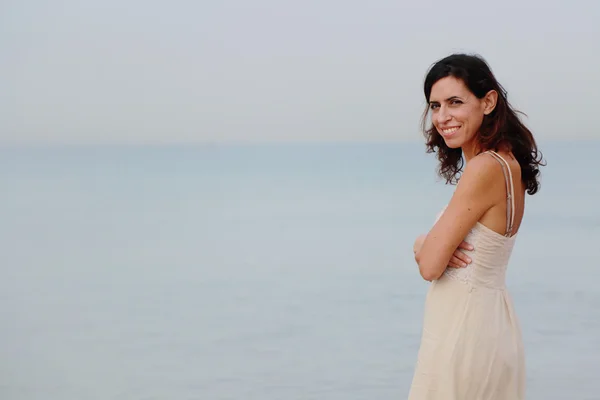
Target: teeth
450 130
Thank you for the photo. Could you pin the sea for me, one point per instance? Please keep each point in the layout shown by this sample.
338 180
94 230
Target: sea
266 271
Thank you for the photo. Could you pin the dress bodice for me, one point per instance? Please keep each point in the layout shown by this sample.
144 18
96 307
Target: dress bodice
492 250
490 256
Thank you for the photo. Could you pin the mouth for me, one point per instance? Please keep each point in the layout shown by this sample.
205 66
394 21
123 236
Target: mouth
448 132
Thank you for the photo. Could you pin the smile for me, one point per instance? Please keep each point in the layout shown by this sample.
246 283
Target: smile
448 131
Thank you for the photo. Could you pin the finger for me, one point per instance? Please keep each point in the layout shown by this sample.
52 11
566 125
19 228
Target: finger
465 245
458 262
454 263
462 256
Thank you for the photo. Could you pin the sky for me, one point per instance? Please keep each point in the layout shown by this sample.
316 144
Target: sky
113 71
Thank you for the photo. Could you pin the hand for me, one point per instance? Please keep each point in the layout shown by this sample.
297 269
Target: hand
460 259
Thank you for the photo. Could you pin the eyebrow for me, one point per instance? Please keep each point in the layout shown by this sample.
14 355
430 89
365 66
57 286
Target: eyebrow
448 99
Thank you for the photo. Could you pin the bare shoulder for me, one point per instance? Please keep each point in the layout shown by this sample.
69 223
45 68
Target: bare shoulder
478 189
512 161
480 173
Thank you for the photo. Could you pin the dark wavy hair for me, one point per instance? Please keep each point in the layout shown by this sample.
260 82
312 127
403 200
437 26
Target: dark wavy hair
501 127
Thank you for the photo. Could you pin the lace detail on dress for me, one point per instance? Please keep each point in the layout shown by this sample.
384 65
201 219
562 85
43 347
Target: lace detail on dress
460 274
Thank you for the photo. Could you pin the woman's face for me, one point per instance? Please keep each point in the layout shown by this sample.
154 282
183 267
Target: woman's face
456 112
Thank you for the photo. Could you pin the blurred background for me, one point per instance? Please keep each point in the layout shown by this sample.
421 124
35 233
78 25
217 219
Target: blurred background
218 200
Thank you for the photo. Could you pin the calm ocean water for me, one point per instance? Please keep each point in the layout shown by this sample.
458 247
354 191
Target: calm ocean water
265 272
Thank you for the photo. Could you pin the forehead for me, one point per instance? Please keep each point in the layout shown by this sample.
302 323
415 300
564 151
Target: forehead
448 87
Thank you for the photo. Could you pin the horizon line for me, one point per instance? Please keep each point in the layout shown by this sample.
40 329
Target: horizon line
245 143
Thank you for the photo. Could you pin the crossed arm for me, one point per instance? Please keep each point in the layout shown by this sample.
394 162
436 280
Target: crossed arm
458 259
473 196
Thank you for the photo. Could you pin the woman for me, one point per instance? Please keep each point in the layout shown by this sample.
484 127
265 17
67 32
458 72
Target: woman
471 346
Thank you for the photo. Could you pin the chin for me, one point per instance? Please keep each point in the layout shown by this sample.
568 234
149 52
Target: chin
453 143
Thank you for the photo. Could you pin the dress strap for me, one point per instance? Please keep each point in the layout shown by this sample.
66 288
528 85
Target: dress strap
510 196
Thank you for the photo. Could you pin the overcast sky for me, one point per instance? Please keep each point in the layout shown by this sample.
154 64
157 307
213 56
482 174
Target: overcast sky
105 71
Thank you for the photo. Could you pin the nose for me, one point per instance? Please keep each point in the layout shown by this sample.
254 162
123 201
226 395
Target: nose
443 115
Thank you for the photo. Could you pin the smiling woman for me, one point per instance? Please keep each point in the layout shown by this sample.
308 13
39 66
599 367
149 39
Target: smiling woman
462 90
457 113
471 345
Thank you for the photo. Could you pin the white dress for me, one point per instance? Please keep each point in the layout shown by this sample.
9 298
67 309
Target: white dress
471 345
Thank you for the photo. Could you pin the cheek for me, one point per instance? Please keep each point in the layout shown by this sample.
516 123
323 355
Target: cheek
474 119
476 122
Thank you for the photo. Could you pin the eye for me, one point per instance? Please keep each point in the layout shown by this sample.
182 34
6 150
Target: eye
455 102
433 106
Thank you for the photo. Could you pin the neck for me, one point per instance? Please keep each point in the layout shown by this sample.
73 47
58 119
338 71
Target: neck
470 150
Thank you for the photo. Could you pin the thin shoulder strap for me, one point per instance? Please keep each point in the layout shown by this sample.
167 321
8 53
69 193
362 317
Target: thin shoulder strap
510 196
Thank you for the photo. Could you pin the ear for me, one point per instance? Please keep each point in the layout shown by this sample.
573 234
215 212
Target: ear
489 102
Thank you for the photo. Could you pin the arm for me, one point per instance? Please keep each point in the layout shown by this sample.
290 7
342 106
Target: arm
458 260
418 244
473 197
